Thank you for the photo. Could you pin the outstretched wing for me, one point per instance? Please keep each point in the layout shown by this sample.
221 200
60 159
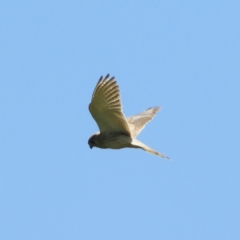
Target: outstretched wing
137 122
106 108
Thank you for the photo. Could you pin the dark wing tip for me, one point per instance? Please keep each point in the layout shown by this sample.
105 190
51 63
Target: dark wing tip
155 109
107 76
112 79
100 80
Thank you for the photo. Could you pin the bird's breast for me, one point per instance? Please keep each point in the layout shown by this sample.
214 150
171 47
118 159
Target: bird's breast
113 140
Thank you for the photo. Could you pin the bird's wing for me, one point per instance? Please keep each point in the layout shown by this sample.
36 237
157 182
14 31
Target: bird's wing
106 108
138 122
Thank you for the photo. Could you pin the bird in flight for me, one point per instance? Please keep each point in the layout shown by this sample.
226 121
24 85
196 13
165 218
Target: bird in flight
116 131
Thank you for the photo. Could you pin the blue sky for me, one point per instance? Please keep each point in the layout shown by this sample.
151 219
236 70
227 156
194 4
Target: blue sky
181 55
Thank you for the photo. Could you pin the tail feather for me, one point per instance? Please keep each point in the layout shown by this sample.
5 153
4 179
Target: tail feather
137 144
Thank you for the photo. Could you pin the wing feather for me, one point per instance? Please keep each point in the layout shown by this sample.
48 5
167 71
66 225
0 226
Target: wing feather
106 108
138 122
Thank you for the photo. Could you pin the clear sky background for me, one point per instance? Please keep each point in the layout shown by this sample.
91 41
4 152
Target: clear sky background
181 55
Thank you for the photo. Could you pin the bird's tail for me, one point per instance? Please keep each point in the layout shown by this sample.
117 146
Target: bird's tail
137 144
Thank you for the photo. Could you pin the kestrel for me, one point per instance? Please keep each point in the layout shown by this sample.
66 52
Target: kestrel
116 131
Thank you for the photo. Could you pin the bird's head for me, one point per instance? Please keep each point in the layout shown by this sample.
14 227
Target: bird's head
93 140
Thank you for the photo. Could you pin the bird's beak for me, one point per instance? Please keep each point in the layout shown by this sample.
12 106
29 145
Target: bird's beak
91 146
